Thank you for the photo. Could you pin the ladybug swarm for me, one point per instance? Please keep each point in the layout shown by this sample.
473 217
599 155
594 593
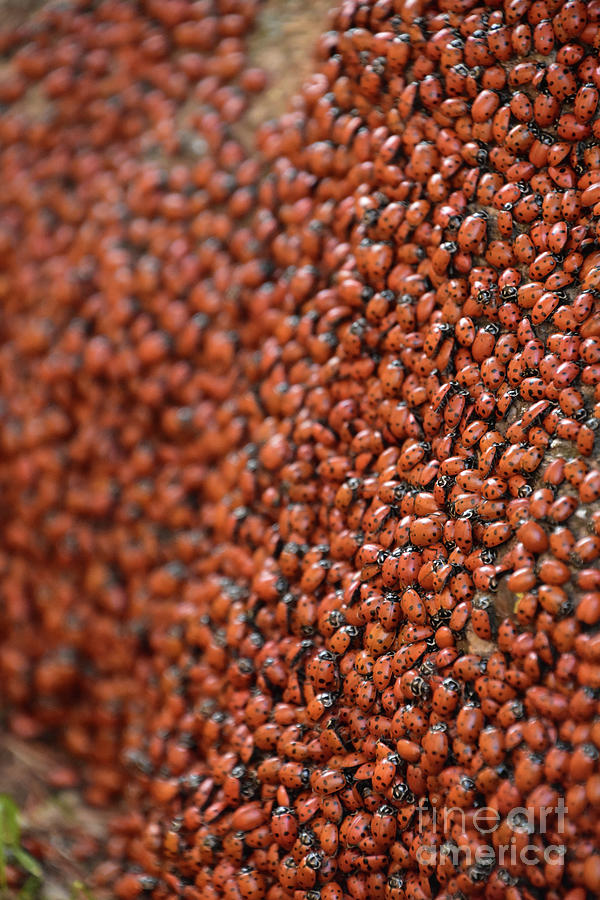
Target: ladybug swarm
300 488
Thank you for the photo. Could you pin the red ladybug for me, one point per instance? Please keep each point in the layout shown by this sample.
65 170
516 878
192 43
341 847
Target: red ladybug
383 826
482 618
446 698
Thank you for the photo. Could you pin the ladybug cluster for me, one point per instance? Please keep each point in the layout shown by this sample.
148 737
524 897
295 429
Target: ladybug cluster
301 500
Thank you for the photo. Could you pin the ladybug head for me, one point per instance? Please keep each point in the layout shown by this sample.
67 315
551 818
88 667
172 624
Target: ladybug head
427 668
402 793
419 687
210 842
482 603
366 294
327 699
565 609
385 810
306 837
481 872
283 811
281 585
517 709
449 848
370 217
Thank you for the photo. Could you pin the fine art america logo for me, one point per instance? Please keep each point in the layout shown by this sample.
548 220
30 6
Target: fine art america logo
518 847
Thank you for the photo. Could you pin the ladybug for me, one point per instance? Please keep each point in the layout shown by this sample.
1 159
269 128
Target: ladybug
412 607
521 39
469 723
251 884
524 249
462 793
331 808
446 697
329 838
496 533
472 233
294 776
435 743
485 105
408 656
385 772
383 827
482 618
322 670
330 891
491 745
469 667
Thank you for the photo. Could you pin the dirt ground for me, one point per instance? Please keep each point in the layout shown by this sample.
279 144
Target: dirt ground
13 12
64 834
57 817
282 44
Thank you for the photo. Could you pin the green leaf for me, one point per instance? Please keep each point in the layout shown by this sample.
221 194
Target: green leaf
3 882
78 890
31 889
27 861
10 832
